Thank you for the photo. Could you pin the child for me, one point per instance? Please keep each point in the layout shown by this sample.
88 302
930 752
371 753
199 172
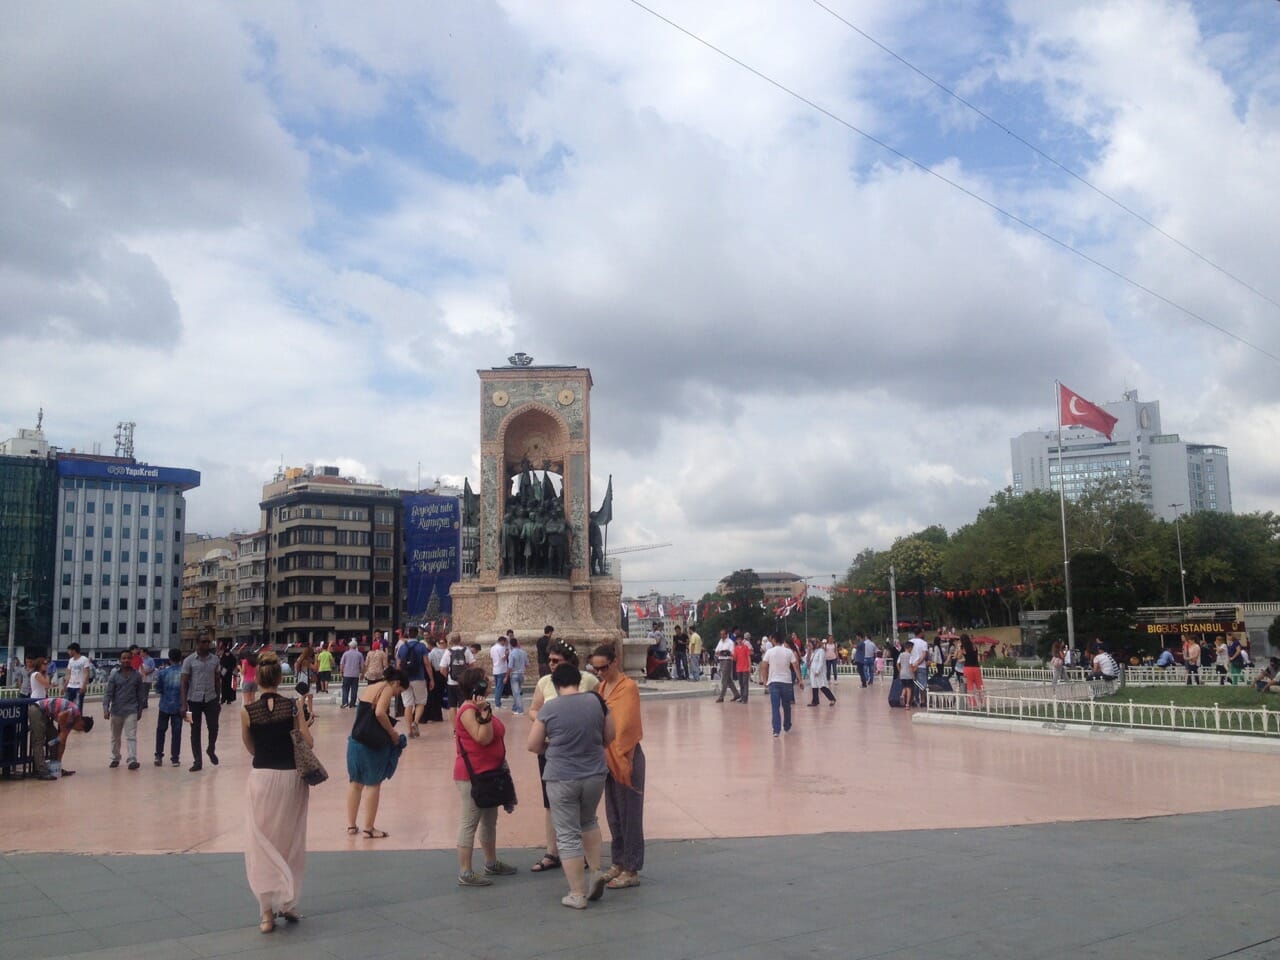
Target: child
308 702
904 673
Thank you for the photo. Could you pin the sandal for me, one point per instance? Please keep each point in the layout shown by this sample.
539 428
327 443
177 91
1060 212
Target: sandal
267 923
612 872
292 916
548 862
623 880
376 834
352 831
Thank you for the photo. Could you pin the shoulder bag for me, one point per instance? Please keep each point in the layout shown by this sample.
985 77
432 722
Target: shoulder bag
310 769
493 788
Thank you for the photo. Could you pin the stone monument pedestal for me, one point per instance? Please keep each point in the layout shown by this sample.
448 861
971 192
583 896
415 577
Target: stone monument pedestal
584 614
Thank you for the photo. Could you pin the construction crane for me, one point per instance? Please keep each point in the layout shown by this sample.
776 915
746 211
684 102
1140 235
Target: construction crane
638 548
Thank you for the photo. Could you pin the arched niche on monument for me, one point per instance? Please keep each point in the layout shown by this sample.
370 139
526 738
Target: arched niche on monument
536 533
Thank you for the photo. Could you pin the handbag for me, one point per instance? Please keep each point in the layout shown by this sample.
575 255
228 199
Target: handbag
493 788
367 731
309 767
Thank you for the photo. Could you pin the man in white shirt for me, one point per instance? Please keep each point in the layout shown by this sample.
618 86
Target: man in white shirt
919 666
498 654
777 665
724 663
79 669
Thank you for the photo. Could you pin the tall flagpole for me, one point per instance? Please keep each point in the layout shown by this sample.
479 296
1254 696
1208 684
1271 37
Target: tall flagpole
1062 505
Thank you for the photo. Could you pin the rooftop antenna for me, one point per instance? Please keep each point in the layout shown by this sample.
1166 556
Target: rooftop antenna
124 438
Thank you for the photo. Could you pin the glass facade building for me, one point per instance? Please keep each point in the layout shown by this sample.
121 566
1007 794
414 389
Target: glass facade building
28 506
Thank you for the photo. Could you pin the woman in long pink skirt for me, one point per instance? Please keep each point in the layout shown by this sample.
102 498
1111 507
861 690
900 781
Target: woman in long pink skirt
275 852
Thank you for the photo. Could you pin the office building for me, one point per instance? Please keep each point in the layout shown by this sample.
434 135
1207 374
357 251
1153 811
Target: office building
1166 469
28 508
333 556
118 552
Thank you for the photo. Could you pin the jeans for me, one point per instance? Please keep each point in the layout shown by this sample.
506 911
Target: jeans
207 709
744 684
350 691
682 665
172 723
831 671
781 696
517 692
695 666
76 696
128 725
1193 670
498 679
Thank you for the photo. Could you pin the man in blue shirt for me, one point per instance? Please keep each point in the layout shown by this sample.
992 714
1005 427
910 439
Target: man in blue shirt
169 689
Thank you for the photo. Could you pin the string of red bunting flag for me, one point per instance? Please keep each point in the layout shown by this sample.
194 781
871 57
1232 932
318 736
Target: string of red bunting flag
786 606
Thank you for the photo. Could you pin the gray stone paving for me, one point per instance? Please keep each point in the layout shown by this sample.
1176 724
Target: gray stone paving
1196 886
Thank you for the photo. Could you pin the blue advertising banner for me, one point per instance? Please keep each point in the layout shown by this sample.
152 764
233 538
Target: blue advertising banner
432 547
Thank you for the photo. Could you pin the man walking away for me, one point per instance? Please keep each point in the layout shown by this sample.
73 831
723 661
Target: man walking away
351 665
169 689
778 665
200 696
498 657
413 661
869 654
517 664
126 697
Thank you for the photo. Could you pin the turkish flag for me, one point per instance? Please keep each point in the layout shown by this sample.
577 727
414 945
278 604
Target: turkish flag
1075 411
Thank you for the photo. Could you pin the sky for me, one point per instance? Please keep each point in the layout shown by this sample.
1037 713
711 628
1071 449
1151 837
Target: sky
817 294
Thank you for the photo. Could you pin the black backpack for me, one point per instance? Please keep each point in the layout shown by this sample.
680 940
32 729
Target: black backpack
457 663
413 659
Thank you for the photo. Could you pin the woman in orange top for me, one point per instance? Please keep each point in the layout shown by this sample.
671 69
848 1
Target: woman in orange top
624 786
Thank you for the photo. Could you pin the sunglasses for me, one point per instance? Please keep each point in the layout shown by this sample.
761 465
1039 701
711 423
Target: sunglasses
554 660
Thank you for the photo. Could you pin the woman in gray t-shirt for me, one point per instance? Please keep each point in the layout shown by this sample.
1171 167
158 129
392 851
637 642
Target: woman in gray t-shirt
573 730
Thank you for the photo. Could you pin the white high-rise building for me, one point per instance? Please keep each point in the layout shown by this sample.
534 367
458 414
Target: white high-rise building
1170 470
118 556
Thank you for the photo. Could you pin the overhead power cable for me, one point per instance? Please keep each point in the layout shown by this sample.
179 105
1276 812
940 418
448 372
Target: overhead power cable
990 204
1045 156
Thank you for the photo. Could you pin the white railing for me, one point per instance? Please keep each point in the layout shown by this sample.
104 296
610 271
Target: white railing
1133 676
55 690
1258 721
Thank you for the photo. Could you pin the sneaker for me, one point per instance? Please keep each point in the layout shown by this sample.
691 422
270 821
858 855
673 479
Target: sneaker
159 761
469 879
499 869
134 764
598 883
177 763
213 757
574 901
775 736
114 764
196 767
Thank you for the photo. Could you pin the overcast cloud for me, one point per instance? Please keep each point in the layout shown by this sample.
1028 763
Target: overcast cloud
296 232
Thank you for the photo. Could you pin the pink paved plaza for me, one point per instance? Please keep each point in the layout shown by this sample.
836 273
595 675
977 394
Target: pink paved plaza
714 770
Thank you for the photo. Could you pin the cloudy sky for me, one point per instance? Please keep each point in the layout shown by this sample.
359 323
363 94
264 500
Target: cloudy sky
284 230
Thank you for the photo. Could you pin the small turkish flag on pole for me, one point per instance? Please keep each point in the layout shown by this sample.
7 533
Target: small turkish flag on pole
1075 411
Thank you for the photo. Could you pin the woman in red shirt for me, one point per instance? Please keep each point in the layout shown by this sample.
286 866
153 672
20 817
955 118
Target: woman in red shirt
742 665
481 735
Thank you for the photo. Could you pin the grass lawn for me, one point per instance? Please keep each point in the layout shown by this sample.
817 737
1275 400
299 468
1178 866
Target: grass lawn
1242 695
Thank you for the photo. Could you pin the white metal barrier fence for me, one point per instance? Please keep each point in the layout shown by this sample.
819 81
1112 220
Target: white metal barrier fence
1134 676
1259 721
56 690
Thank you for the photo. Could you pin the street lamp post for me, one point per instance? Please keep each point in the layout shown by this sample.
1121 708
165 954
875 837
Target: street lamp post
1182 570
13 614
